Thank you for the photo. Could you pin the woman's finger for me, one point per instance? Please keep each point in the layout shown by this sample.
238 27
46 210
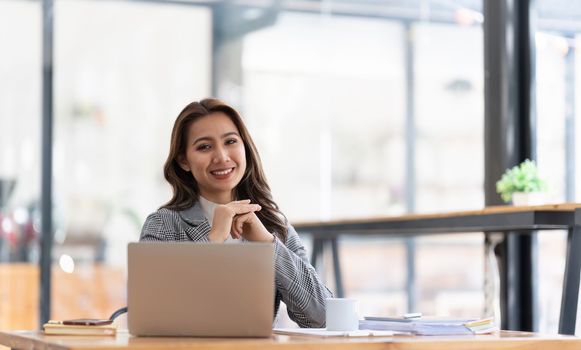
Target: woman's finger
233 231
237 224
241 201
240 209
235 235
239 221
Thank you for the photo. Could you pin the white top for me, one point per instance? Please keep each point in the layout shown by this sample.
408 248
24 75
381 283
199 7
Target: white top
208 208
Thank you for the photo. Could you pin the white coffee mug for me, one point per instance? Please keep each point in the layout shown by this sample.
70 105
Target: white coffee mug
342 314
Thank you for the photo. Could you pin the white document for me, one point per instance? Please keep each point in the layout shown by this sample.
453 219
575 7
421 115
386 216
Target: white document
429 326
323 332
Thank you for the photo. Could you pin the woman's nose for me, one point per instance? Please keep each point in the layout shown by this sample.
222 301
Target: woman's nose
220 155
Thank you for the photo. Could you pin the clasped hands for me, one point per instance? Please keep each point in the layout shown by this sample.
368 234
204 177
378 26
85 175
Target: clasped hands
238 219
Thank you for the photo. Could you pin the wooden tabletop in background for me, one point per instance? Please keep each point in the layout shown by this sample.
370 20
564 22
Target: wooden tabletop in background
498 209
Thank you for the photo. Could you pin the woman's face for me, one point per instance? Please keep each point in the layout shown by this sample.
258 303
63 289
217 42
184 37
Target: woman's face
215 155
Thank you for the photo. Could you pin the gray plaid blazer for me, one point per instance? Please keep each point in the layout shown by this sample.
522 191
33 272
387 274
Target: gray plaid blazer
297 282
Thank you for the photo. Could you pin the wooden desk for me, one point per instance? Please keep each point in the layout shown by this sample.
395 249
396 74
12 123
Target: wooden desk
505 219
501 340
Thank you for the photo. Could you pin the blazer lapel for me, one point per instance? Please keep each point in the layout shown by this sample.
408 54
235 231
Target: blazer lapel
194 217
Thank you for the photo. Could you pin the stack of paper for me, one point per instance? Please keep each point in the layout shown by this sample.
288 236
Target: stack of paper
430 326
53 327
323 332
482 326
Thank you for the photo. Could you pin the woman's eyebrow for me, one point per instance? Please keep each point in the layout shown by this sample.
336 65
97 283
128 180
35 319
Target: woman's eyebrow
230 134
208 138
203 138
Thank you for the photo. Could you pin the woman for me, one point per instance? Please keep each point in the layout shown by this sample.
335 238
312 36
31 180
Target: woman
220 194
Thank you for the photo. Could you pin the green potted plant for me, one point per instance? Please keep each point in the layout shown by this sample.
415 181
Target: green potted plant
522 184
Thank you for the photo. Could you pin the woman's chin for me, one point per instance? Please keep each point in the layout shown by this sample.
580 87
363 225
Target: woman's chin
224 187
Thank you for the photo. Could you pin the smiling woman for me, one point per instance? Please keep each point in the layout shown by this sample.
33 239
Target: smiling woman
220 194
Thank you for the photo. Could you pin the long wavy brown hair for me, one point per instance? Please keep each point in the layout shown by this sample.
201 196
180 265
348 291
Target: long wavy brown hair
253 185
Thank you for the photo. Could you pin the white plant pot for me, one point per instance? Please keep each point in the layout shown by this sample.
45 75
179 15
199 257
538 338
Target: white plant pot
528 198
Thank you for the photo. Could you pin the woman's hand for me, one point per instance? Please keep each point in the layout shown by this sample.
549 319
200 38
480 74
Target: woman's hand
222 224
249 226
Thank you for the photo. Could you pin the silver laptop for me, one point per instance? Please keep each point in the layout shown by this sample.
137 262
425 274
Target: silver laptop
200 289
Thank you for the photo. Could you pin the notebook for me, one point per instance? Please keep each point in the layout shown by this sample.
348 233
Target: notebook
200 289
57 328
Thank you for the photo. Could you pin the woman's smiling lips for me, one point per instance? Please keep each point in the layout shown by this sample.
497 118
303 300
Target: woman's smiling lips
222 173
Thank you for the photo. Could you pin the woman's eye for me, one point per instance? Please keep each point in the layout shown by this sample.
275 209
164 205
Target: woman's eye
203 147
231 141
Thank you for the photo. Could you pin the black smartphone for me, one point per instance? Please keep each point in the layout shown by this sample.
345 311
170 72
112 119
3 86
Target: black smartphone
87 322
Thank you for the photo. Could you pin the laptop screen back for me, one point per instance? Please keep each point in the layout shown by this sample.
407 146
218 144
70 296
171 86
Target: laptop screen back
200 289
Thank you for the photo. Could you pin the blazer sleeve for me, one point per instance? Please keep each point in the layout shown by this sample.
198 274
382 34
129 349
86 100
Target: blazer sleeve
298 283
156 229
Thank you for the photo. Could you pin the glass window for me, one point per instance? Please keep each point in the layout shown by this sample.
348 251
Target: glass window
328 113
450 117
449 105
20 126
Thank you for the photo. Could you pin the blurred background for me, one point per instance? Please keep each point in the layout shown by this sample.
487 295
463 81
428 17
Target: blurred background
335 94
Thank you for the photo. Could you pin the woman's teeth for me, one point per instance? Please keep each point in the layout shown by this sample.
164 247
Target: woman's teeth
222 172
